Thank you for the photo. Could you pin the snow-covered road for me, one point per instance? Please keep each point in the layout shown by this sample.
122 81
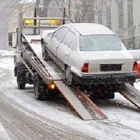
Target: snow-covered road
122 123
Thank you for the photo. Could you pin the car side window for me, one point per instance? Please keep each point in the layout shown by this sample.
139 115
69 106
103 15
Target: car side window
74 44
59 34
67 40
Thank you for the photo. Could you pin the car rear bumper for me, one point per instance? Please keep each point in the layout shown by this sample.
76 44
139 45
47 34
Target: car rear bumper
106 78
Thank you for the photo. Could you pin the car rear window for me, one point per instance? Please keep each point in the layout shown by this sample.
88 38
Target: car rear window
100 43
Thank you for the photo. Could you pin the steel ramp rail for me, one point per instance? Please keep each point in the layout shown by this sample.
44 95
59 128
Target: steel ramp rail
131 94
36 64
81 104
52 68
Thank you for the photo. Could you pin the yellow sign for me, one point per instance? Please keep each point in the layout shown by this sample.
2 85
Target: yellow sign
54 21
29 22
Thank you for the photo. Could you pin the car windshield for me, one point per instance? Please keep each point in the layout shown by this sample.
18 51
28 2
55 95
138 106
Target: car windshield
100 43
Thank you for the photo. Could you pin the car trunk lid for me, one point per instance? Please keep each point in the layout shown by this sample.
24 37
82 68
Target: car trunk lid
109 61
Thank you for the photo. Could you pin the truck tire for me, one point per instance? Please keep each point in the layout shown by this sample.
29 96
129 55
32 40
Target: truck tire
20 83
110 95
20 72
101 92
103 96
39 92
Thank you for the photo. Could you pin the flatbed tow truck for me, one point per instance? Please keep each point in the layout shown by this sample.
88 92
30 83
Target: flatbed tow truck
48 79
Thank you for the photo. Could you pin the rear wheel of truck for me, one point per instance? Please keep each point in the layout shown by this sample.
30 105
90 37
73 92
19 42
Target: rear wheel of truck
99 91
20 72
39 88
20 83
109 95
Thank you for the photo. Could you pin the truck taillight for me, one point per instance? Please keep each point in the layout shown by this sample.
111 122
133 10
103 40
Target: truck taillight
51 86
85 67
135 66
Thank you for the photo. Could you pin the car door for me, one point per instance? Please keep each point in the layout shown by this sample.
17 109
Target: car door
64 48
73 57
55 41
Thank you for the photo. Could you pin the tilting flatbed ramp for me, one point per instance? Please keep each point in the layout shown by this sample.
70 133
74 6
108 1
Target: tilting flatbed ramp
131 94
36 63
80 103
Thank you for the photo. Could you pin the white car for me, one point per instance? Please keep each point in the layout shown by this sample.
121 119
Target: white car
89 54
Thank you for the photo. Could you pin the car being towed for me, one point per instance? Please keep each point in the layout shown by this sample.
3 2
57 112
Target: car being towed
89 54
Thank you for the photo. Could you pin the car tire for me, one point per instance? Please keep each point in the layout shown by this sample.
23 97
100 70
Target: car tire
44 53
68 77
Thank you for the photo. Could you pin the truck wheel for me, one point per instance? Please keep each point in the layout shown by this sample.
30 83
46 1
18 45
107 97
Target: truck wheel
37 87
110 95
101 92
132 84
21 85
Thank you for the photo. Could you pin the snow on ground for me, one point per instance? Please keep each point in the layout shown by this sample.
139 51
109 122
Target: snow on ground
123 118
3 134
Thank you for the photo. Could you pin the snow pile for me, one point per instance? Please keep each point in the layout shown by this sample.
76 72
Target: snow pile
6 53
3 133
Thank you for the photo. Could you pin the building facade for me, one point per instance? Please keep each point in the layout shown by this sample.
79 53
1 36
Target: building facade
121 16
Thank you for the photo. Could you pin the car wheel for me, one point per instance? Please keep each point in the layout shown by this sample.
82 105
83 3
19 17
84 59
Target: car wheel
68 76
44 53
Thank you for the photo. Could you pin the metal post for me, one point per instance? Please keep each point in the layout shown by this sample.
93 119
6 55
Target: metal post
64 15
19 24
35 23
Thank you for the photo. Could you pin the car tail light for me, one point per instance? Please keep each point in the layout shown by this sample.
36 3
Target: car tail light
51 86
138 69
135 66
85 67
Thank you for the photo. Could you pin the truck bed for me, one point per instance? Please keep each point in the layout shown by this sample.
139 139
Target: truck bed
35 43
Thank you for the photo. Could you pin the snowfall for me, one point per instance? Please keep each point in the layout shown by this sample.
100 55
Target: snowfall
123 122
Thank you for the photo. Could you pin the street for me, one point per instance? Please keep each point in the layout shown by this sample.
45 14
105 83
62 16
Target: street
23 117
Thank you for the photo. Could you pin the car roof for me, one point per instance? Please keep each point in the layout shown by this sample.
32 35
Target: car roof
89 28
